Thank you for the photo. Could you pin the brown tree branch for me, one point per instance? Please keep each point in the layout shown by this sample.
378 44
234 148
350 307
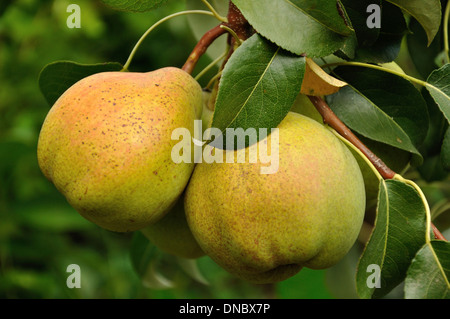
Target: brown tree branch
243 30
330 118
201 47
236 22
437 233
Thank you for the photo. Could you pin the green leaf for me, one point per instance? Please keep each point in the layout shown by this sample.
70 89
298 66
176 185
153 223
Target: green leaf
445 151
382 107
357 12
55 78
439 88
387 46
144 259
441 59
432 170
399 232
259 84
329 13
433 149
134 5
396 159
347 50
142 252
422 55
427 13
437 126
314 28
429 274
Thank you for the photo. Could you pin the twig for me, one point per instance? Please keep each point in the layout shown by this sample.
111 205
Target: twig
238 23
330 118
201 47
238 26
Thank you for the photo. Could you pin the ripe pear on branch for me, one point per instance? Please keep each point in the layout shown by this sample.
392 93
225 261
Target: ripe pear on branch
265 228
106 145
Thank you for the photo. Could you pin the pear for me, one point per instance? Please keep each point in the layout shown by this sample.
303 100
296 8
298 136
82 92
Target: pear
304 106
172 234
394 158
106 145
265 228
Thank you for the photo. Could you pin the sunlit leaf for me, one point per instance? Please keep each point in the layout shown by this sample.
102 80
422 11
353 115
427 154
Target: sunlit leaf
259 84
315 28
439 88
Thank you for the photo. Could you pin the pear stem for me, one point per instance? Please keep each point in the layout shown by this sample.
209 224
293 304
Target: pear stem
210 66
380 68
138 44
214 11
233 34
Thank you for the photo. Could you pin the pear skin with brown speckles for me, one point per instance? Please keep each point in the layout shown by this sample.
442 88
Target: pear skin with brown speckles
106 145
265 227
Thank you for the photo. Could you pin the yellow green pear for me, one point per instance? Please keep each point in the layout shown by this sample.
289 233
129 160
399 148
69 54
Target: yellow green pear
264 228
397 159
106 145
304 106
172 235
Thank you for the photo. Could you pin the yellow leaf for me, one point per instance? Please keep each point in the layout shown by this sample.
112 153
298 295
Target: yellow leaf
317 82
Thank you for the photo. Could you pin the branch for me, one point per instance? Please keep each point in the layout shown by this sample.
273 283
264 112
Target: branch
201 47
236 22
330 118
437 233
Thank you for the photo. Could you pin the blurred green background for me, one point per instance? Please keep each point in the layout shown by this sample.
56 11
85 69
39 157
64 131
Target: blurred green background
40 234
